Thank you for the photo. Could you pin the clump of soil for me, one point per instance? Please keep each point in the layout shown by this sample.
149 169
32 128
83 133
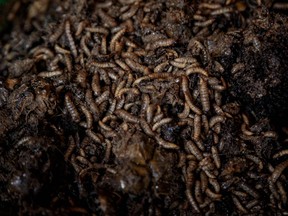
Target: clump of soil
144 107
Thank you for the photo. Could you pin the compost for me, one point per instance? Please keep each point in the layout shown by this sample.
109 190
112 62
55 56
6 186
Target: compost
130 107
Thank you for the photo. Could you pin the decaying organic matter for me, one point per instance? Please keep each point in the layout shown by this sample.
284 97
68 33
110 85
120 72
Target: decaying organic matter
127 107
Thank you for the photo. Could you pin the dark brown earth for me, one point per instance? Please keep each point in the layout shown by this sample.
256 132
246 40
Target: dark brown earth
144 107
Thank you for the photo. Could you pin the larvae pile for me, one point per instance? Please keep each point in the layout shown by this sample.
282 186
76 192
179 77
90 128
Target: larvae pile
123 107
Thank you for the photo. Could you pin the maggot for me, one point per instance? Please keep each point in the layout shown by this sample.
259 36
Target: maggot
184 114
216 119
218 98
98 29
282 192
106 19
123 65
191 146
280 153
95 84
83 160
115 38
181 160
161 43
70 38
204 23
102 64
135 66
256 160
81 78
130 80
212 6
273 188
105 127
205 123
59 31
278 170
81 26
71 108
146 128
197 127
112 107
211 194
48 74
40 51
145 103
197 191
70 148
270 134
150 113
218 110
103 97
215 184
93 136
188 98
126 116
84 46
88 115
215 156
237 68
178 64
103 47
252 203
204 181
107 150
192 200
131 12
222 10
76 167
61 50
248 190
239 205
130 44
198 70
160 123
165 144
152 76
68 62
204 95
133 91
160 67
245 131
92 105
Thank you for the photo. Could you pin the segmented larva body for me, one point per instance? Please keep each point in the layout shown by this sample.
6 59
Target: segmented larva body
188 98
204 95
70 38
71 108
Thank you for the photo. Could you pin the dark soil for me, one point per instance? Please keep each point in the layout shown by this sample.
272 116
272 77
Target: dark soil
144 107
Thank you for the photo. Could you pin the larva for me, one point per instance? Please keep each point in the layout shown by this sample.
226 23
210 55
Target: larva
278 170
126 116
70 38
188 98
215 156
194 150
167 145
216 119
160 123
192 201
71 108
88 115
197 127
204 95
48 74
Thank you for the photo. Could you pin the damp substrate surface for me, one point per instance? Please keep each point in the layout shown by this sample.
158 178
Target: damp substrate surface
133 107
